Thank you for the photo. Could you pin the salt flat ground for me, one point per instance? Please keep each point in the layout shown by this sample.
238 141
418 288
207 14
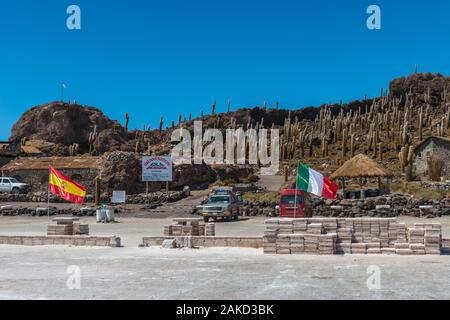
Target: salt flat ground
207 273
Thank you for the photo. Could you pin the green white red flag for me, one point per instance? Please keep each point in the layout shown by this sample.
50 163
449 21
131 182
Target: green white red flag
314 182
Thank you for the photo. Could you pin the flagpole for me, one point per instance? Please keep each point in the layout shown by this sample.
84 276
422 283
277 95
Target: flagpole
295 197
48 195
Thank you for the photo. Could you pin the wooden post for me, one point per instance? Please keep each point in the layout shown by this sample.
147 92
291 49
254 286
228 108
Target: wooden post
97 191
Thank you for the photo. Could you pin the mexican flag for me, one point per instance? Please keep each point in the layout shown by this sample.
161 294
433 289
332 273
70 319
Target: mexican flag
314 182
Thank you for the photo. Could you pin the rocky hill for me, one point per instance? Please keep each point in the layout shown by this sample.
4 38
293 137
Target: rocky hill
385 127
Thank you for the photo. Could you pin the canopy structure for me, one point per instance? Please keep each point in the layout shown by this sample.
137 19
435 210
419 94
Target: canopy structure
360 166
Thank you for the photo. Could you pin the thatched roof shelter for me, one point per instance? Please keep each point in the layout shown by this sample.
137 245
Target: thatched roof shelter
360 166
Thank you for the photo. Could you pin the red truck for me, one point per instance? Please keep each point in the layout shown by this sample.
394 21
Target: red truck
293 204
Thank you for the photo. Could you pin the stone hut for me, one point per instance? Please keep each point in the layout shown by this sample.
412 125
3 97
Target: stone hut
35 171
432 146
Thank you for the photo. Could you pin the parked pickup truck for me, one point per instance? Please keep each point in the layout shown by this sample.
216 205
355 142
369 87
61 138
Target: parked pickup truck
14 186
224 206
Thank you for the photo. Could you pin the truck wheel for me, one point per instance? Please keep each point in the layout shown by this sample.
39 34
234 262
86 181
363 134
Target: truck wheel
206 219
15 191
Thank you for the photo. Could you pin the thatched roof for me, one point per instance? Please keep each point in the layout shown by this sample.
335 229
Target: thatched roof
360 166
79 162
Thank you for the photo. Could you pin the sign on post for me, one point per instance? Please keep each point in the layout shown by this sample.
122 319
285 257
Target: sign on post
157 168
118 196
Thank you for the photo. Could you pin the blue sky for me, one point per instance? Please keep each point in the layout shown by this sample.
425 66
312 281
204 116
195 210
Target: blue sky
152 58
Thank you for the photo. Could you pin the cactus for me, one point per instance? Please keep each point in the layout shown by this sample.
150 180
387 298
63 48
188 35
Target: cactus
213 111
161 123
380 151
229 106
420 124
352 146
73 149
92 136
127 119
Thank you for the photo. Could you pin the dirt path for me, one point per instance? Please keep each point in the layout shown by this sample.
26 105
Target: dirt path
181 208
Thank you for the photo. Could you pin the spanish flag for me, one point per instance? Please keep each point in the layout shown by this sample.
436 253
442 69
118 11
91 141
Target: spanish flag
65 187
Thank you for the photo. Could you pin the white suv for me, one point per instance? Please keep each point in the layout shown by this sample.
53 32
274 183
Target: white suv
14 186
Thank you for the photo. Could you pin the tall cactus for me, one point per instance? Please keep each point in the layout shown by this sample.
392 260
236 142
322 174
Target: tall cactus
92 136
127 119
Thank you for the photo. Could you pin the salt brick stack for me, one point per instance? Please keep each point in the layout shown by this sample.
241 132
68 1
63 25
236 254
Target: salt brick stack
185 227
80 229
210 229
65 227
350 235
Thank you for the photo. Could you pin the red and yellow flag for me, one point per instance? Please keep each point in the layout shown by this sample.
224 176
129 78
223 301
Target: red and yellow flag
65 187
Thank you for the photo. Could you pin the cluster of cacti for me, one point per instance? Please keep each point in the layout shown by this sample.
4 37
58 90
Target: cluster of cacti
382 128
73 149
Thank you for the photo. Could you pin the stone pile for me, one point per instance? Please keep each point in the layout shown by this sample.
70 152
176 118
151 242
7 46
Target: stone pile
350 235
155 198
383 206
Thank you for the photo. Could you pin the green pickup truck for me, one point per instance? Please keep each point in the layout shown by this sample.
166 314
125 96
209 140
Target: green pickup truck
224 206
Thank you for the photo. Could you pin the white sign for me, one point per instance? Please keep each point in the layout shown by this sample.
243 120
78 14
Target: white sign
118 197
157 168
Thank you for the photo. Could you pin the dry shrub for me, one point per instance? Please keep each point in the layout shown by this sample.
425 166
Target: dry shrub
435 167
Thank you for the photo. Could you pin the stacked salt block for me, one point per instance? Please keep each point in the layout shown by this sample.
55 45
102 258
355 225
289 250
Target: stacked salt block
286 226
210 229
283 244
184 227
80 229
297 243
327 243
63 227
311 243
350 235
270 236
344 236
315 228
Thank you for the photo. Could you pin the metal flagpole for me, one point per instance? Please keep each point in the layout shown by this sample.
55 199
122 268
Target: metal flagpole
48 195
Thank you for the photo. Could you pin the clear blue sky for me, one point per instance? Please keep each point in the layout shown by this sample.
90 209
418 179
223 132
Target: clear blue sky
153 58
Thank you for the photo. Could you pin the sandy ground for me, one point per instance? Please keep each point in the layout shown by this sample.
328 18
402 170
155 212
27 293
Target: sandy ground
206 273
214 273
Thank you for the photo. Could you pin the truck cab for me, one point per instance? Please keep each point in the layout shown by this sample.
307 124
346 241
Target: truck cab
294 204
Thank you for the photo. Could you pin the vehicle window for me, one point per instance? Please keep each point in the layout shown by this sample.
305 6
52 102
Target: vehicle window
1 180
5 180
291 199
219 199
13 180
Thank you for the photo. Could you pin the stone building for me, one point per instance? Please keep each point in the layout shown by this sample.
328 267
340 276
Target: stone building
35 171
429 147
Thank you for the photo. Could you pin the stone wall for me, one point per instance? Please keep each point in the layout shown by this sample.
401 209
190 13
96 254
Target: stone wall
92 241
433 147
385 206
203 241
